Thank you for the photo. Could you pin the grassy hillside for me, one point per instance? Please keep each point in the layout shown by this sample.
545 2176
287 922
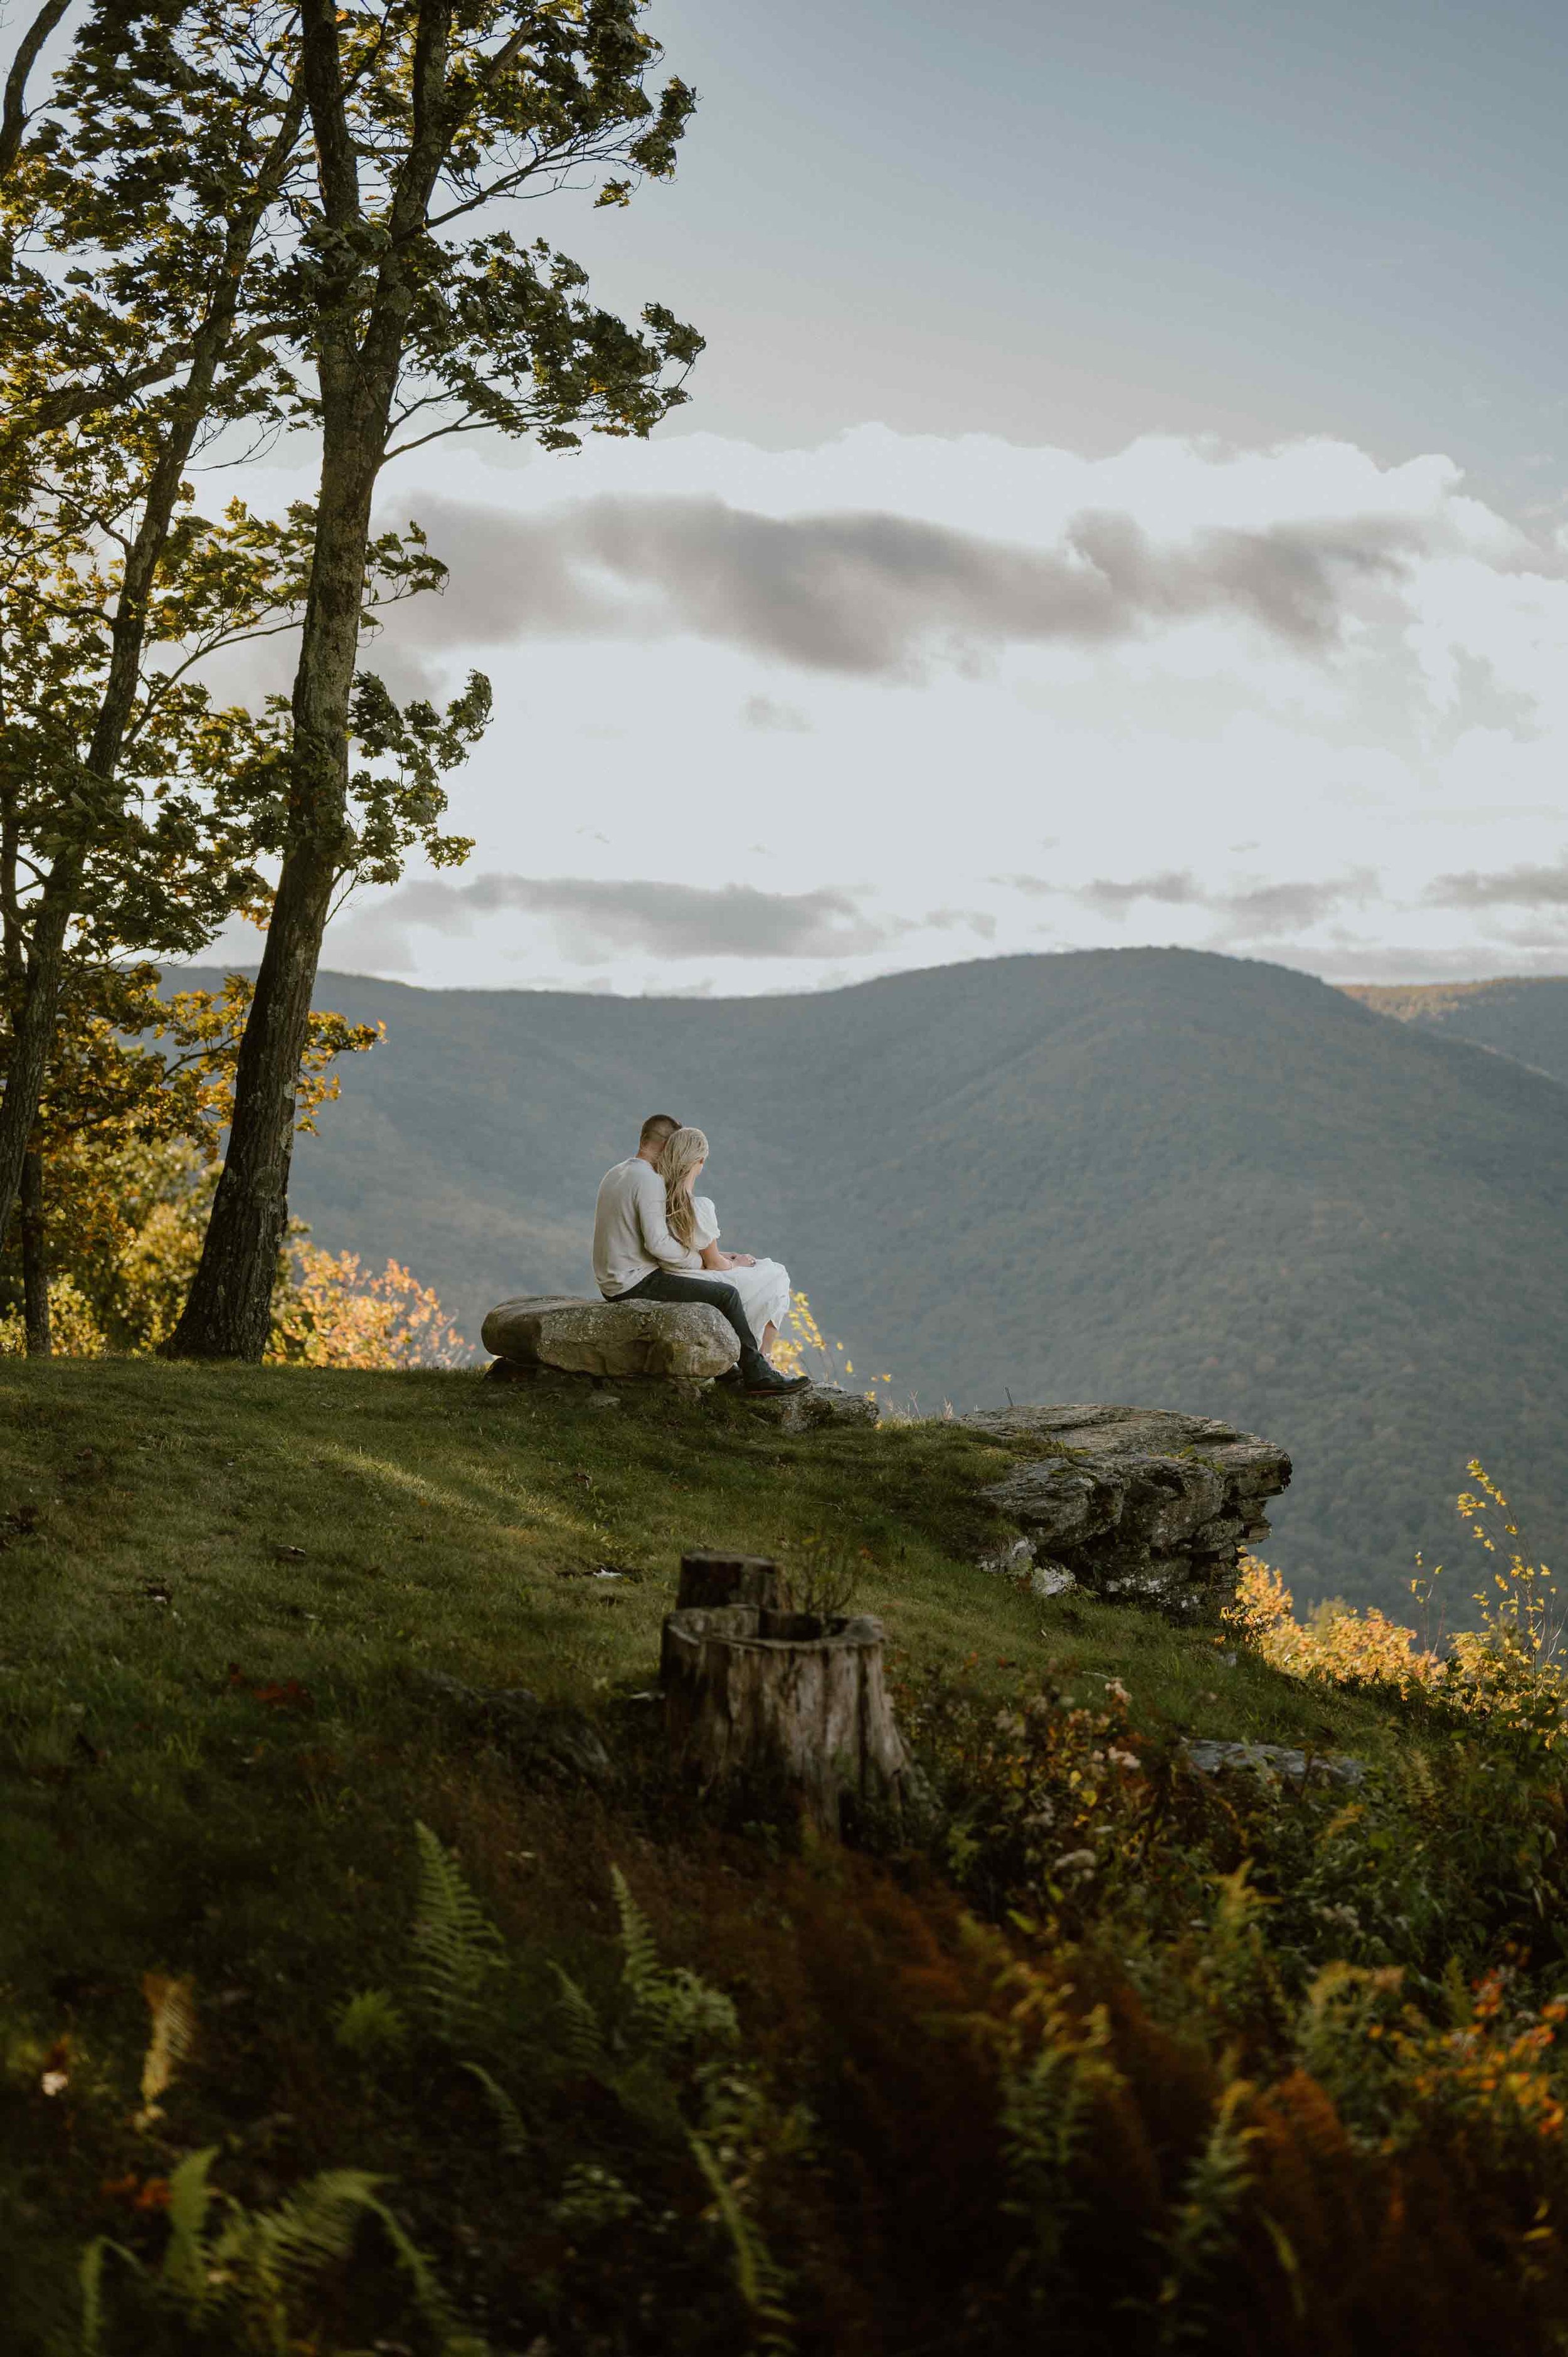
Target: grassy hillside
1148 1176
230 1596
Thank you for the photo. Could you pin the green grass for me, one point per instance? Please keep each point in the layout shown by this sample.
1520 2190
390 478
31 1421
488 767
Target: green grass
215 1583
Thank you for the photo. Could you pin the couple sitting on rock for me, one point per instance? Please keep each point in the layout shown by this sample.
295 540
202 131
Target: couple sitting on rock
655 1240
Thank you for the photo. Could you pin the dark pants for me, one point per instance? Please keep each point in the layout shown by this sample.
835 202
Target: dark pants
664 1285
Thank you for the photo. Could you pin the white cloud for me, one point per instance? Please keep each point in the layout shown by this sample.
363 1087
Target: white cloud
1319 703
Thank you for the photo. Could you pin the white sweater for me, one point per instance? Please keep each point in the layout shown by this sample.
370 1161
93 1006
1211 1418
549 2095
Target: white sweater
632 1235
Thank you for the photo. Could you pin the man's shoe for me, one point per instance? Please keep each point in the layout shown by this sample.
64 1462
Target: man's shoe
765 1384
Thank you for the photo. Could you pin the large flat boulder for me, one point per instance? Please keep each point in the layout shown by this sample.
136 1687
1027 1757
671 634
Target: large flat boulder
682 1341
1145 1504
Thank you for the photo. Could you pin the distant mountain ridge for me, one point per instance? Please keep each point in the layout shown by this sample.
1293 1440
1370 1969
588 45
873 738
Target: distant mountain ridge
1522 1016
1150 1176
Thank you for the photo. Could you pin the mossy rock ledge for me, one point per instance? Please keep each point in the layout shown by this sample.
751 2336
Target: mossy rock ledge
1143 1505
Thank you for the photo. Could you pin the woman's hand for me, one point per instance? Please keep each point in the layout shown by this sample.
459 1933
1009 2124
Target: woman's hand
741 1260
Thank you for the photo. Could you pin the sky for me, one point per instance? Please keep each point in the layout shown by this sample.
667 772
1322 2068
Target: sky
1122 501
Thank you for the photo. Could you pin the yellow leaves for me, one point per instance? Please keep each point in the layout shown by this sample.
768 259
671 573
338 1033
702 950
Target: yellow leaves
1505 1670
801 1350
334 1314
173 2010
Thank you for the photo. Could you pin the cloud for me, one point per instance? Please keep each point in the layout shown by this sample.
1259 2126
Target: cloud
779 719
601 918
869 595
1525 887
1251 912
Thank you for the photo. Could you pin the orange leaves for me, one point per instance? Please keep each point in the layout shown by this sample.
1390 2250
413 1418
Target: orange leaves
333 1313
283 1693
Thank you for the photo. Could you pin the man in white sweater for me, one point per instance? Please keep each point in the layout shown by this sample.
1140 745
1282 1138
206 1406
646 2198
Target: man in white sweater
636 1258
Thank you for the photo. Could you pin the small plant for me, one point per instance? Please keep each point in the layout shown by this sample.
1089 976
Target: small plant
248 2272
820 1579
370 2025
801 1350
457 1950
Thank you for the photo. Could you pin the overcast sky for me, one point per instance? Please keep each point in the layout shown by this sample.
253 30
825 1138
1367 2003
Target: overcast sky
1122 501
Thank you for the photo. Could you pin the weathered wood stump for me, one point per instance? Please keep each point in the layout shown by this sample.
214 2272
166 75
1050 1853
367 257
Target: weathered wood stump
794 1700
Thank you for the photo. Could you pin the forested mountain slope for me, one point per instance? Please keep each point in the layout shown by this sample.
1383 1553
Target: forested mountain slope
1525 1017
1142 1175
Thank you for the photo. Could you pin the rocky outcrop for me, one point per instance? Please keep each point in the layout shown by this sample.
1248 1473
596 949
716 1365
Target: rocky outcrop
818 1403
1210 1756
682 1341
1142 1504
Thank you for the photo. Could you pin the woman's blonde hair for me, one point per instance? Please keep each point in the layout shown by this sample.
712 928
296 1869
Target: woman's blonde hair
679 1158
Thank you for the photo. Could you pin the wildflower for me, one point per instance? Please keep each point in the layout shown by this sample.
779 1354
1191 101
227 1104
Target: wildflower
1076 1861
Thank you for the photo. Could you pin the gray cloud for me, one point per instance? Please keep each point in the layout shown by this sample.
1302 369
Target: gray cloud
596 920
779 719
870 594
1524 887
1253 912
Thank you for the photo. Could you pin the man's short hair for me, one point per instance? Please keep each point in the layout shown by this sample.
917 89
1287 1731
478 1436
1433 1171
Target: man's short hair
657 1128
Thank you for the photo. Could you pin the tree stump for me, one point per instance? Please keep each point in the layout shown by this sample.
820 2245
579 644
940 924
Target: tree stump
794 1700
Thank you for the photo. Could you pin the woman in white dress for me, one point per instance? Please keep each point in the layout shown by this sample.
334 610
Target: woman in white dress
763 1284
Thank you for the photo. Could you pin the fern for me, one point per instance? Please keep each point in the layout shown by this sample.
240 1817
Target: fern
172 2035
1046 2109
371 2023
758 2278
458 1949
452 2339
640 1957
185 2261
1204 2226
514 2133
582 2031
254 2269
671 2007
264 2259
89 2275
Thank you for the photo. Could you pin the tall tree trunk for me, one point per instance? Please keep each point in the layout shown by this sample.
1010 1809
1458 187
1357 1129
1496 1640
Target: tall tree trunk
35 1260
227 1313
34 1016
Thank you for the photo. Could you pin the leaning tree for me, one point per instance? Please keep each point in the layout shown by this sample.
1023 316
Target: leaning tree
132 206
417 315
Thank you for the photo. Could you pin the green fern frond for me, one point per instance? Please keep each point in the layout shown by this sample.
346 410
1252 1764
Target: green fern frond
677 2009
1204 2222
90 2276
275 2252
371 2023
452 2338
582 2033
186 2260
458 1949
640 1957
673 2006
514 2135
758 2278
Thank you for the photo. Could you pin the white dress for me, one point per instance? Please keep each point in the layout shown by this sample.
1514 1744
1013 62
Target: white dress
764 1290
